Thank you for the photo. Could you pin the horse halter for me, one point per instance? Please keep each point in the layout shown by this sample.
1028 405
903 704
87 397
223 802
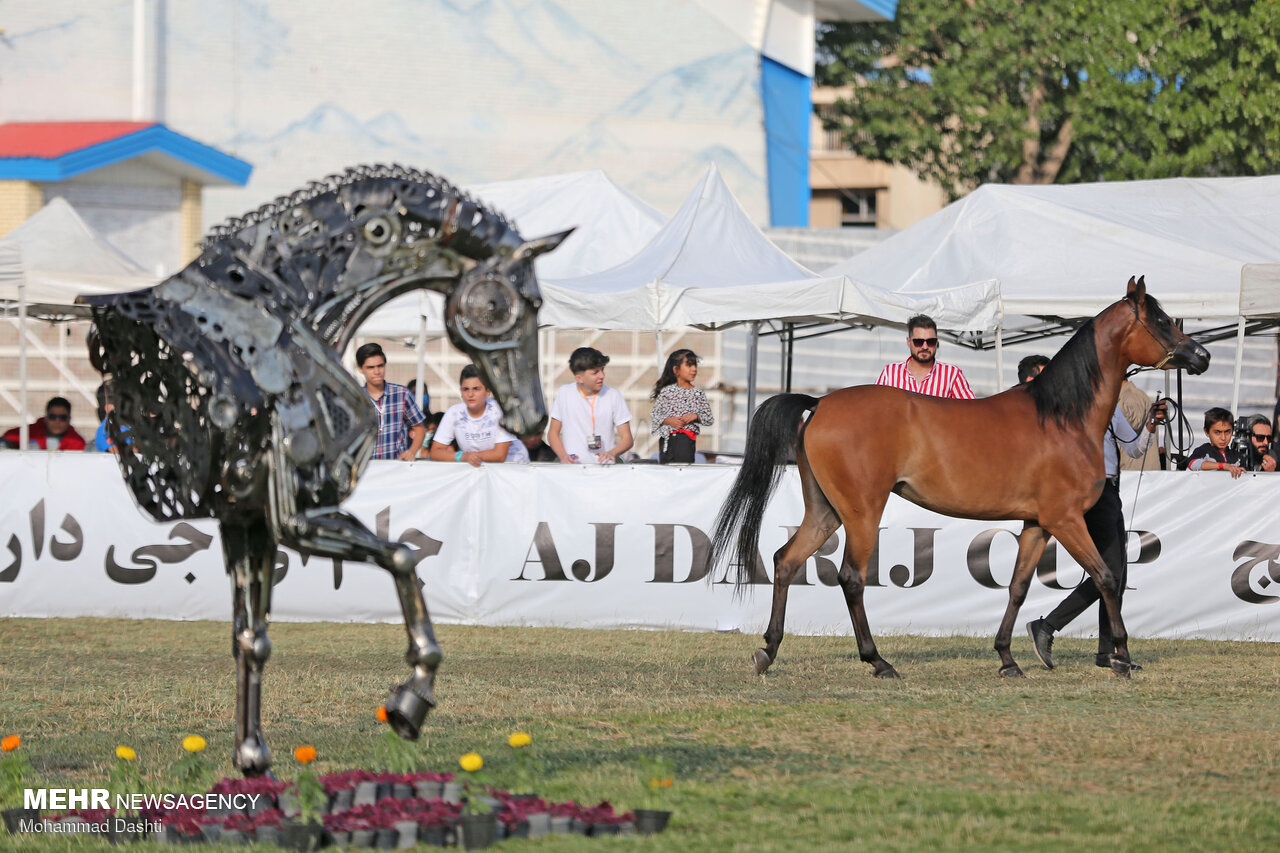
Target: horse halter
1168 351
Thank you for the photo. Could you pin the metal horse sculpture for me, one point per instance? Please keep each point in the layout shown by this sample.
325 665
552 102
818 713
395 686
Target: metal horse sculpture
860 444
232 402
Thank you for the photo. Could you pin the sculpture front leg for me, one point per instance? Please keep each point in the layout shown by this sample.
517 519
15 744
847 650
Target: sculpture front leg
250 554
339 535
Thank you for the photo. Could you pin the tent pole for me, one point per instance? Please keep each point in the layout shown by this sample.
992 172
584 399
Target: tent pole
1000 384
24 423
422 349
753 352
1235 384
1168 429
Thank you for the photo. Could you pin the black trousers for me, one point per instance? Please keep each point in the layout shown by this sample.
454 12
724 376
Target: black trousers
678 448
1105 521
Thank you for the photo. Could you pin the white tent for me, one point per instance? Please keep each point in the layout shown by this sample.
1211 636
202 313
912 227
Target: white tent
711 267
611 225
1207 247
45 263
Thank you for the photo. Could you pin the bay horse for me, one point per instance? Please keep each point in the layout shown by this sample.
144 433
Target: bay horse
858 445
232 401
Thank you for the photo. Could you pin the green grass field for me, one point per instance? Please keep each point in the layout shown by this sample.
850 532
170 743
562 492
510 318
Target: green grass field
819 755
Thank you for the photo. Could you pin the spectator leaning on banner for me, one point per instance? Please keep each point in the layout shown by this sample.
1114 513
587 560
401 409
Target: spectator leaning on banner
400 427
1262 455
922 372
52 432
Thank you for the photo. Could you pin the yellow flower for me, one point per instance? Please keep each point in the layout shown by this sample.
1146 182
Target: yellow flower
655 783
126 753
471 762
305 754
194 743
10 743
519 739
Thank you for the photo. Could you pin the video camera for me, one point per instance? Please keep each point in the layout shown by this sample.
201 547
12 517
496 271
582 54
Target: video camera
1242 443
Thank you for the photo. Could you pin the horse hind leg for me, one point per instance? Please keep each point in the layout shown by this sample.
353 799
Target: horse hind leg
861 532
1031 546
333 533
250 555
820 521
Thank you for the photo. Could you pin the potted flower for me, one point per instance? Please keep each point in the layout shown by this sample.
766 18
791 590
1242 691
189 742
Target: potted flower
304 832
124 780
478 824
15 769
192 771
656 777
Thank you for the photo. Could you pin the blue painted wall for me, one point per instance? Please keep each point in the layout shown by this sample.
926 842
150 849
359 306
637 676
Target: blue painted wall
788 104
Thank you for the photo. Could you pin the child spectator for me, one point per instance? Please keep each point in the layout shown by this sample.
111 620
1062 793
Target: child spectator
1217 454
400 428
679 409
586 413
475 426
432 423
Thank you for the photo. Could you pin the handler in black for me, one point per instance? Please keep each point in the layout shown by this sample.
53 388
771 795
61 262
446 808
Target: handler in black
1105 520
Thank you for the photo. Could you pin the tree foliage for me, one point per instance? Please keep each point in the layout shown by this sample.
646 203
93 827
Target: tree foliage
1060 91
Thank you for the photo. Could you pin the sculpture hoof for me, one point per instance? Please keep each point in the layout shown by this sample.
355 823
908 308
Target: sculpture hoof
253 758
1121 668
1011 671
761 661
887 672
407 710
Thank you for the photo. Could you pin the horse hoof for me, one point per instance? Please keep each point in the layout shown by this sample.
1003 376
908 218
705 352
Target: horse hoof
1011 671
887 672
1121 668
761 661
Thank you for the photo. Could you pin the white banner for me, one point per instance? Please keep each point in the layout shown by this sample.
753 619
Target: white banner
624 546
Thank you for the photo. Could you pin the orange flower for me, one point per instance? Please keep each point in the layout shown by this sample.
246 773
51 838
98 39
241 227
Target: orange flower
10 743
305 754
382 713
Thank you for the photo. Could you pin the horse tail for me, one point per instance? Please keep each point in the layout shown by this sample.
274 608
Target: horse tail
771 443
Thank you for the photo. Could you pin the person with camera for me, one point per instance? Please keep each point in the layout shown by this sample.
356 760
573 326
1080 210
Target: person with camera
1258 451
1217 454
1105 521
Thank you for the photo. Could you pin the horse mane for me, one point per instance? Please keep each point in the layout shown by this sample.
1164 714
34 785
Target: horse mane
1066 389
333 183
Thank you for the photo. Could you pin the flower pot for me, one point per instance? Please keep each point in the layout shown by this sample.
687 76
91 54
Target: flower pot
451 792
561 825
408 830
386 839
266 834
385 790
578 826
402 791
13 816
362 838
211 832
340 838
433 835
233 837
289 804
343 800
366 794
303 837
428 790
599 829
651 821
539 824
519 829
477 830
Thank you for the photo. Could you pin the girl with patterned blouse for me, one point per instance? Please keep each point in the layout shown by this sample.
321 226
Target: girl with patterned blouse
679 409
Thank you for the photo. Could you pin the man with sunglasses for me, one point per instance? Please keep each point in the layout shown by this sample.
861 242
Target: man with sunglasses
921 372
52 432
1262 455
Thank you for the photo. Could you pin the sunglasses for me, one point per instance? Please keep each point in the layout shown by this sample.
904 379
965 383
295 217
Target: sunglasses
925 342
52 417
1258 437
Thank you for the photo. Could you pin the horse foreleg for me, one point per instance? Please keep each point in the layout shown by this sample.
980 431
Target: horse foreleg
853 580
820 521
1031 546
250 555
1074 536
336 534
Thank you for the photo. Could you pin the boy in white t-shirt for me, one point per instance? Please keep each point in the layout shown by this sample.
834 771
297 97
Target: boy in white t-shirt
475 425
586 414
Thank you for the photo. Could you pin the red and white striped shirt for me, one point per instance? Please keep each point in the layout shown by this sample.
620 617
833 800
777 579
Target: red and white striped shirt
945 380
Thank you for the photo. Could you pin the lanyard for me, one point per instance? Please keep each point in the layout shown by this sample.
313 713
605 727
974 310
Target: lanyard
592 403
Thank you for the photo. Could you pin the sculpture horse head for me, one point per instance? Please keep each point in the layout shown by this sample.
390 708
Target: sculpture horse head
232 402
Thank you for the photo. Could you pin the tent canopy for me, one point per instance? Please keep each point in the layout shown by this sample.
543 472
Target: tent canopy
1206 246
58 257
711 267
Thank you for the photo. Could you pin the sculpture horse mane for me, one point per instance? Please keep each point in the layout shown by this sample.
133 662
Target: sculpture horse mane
232 401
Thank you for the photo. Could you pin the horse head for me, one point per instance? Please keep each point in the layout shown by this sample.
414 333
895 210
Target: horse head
492 315
1154 340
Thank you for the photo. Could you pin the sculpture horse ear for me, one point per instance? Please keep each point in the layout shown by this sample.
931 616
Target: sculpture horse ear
532 248
1137 289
